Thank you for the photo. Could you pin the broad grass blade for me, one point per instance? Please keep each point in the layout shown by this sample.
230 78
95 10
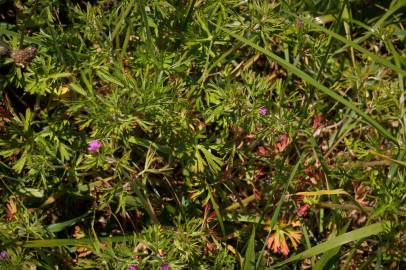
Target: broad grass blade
249 260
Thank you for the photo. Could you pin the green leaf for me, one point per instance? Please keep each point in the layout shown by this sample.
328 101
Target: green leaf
214 162
59 75
216 209
107 77
64 151
144 200
32 192
27 121
249 259
198 163
69 242
78 89
57 227
19 165
323 192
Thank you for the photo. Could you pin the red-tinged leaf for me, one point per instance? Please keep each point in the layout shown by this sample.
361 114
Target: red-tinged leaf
303 210
249 136
212 216
317 121
11 209
283 142
262 151
277 240
284 247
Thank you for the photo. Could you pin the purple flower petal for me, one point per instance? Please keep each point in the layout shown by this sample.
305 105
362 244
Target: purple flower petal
263 110
133 267
94 145
165 266
3 255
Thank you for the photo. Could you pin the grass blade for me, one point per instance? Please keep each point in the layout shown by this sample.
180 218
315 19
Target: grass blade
216 209
69 242
323 192
57 227
249 260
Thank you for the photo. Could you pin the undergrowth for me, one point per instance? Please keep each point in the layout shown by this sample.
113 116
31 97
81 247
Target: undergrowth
171 134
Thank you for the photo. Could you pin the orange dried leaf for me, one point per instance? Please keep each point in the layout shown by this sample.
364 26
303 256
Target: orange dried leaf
277 240
284 247
11 209
283 142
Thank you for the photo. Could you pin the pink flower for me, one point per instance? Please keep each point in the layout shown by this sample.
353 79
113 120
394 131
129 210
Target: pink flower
133 267
94 145
263 110
3 255
165 266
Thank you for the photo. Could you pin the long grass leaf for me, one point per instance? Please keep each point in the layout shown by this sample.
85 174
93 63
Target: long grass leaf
43 243
216 209
57 227
323 192
249 259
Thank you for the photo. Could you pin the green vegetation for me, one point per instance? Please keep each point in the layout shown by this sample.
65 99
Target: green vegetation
218 134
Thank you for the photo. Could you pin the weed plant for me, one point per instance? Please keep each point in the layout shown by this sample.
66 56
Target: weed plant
218 134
